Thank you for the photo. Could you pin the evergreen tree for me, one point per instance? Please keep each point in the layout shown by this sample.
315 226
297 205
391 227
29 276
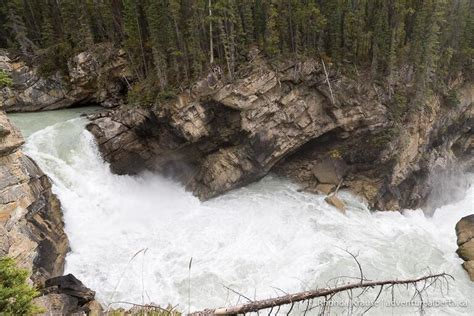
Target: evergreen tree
15 294
168 42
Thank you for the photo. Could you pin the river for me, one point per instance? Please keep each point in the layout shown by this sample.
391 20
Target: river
132 237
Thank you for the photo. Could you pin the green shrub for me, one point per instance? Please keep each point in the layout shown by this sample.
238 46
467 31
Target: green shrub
399 105
15 294
147 92
452 99
5 79
54 58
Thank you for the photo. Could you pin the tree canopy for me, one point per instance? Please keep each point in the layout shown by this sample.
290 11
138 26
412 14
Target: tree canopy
168 42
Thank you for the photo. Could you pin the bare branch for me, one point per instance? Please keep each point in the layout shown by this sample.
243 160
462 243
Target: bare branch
239 294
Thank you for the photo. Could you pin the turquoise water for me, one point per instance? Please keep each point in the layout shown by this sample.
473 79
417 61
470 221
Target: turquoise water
33 122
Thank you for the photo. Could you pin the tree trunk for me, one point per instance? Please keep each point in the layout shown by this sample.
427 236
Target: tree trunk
211 44
255 306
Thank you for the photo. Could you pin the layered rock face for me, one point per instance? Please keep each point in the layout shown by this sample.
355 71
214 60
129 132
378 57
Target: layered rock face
220 135
465 234
31 223
94 76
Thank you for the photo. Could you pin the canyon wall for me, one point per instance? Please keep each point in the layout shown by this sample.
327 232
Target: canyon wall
284 117
97 76
31 222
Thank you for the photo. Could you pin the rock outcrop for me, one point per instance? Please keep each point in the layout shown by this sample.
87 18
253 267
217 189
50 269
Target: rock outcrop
31 223
94 76
219 135
465 234
66 295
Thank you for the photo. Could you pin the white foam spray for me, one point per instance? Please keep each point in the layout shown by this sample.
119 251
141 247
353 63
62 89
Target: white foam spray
254 239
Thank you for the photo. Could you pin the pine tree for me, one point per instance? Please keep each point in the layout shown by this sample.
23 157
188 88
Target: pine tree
133 38
159 38
15 294
18 29
272 39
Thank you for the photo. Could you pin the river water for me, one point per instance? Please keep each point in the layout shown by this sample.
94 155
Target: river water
132 237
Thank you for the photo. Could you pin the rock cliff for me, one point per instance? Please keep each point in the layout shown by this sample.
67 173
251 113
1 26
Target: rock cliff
31 223
94 76
284 117
465 234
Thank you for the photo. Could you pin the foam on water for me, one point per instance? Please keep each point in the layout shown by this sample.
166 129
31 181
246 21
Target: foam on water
132 237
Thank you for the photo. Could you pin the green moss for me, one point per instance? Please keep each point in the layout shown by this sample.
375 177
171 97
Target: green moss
5 79
16 295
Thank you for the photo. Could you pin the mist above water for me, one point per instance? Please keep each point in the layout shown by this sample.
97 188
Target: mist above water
132 237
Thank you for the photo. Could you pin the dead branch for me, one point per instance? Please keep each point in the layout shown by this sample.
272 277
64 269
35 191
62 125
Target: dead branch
235 292
329 83
258 305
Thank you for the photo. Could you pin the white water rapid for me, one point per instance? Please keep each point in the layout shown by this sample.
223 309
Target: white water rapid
132 237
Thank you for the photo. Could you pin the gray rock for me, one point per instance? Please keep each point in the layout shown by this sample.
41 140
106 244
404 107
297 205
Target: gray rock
57 304
330 170
70 285
465 240
66 295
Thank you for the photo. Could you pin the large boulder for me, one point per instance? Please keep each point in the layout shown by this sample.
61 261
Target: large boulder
70 285
31 222
330 170
93 76
465 235
56 304
66 295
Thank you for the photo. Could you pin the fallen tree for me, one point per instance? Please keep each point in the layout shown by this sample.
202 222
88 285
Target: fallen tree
327 293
